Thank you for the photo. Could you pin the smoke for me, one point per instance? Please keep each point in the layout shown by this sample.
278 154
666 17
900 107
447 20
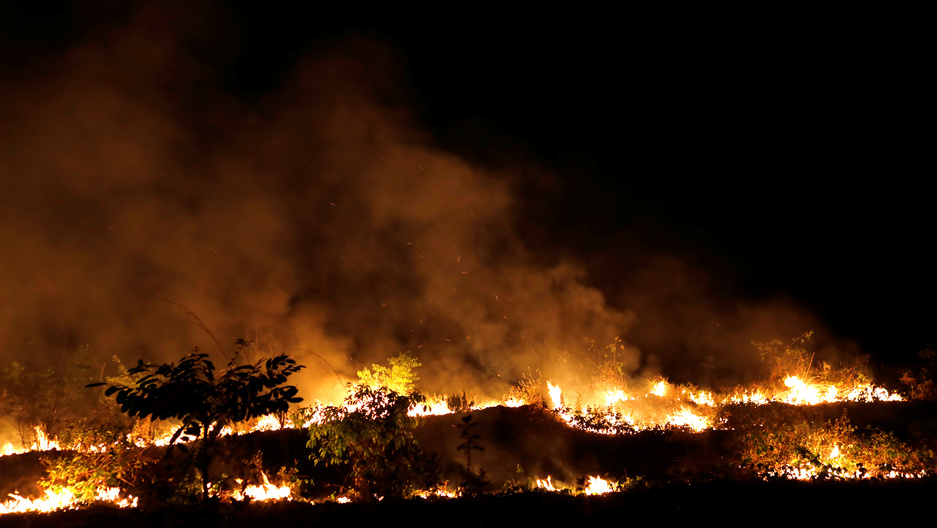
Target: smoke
143 204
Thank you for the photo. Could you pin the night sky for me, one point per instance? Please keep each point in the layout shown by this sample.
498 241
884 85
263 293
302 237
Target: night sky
733 162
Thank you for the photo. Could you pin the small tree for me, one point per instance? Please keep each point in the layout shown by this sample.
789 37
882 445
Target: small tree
400 377
475 483
204 404
50 399
371 435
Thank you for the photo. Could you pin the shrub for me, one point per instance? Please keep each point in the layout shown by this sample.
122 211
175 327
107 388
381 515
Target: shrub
370 437
46 399
190 393
776 440
400 377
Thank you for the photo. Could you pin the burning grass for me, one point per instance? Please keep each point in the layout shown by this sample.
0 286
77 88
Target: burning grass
773 430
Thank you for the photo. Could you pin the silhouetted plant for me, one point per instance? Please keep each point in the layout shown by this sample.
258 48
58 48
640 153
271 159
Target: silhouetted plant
459 403
191 393
475 483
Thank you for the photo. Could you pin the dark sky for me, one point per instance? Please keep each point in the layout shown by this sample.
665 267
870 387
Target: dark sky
777 157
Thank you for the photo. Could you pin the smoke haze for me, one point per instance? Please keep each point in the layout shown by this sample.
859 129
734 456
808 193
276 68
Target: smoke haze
139 195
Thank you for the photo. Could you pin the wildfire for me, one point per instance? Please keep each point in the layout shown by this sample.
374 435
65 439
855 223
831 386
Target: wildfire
546 484
555 395
597 486
63 501
602 409
686 418
436 407
263 492
594 485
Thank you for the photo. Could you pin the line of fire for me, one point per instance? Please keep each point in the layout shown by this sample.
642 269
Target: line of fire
186 432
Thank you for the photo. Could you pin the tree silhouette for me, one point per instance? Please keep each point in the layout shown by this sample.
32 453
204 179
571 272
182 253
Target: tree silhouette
204 404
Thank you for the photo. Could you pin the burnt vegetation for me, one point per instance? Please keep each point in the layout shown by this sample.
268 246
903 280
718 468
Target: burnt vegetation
372 449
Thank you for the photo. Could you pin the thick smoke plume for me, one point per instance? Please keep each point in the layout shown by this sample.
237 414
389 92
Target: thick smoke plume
143 204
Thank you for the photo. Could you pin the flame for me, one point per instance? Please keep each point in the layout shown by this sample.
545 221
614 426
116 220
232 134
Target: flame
611 410
555 395
687 418
546 484
63 500
264 492
612 397
598 486
437 407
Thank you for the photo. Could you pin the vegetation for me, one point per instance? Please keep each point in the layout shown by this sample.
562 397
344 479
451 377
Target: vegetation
367 447
529 389
370 438
794 359
84 473
459 402
50 399
476 482
204 404
610 370
783 441
400 377
921 382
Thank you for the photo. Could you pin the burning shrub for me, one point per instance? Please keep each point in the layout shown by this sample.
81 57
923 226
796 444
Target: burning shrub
84 474
793 362
783 441
459 403
528 390
371 437
609 371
